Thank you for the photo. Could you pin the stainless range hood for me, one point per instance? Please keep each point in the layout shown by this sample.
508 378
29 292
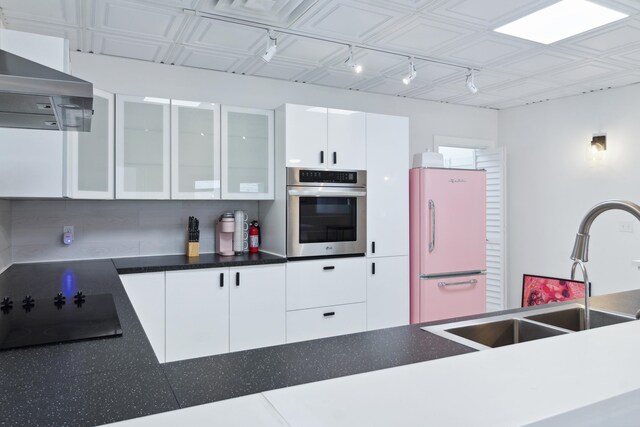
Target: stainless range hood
33 96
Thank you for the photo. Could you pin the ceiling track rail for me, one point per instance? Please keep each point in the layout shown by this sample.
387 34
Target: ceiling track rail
296 33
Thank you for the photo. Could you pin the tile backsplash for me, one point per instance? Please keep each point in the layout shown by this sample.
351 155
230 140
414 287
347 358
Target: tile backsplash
111 228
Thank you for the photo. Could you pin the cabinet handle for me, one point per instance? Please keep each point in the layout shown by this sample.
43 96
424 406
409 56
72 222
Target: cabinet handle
329 314
329 267
373 247
432 214
335 157
238 279
321 157
373 268
466 282
222 280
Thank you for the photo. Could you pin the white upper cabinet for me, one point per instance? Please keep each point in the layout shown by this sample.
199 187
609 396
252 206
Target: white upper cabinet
195 150
347 139
247 153
387 185
306 136
318 137
142 147
90 155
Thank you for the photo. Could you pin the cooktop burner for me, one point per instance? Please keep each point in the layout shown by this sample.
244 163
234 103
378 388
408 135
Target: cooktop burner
27 321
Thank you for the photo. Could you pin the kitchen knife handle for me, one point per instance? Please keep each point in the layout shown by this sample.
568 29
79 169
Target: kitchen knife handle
238 278
432 215
222 280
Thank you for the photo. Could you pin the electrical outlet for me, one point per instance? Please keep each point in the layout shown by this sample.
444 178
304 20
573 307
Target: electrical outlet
67 229
67 234
626 227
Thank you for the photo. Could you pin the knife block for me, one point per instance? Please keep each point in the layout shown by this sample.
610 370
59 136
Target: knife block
193 249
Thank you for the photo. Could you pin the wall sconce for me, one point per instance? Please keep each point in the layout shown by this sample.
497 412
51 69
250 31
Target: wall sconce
599 143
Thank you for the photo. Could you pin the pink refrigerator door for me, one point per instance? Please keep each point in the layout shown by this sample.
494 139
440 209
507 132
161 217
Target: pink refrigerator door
456 296
452 221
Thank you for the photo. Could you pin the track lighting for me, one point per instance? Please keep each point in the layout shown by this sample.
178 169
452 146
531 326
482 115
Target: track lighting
272 47
357 68
412 72
471 83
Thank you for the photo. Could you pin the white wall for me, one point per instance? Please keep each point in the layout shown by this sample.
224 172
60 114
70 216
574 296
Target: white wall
552 183
5 234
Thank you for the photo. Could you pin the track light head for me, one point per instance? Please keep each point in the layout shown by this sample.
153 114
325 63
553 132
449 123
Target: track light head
471 83
272 47
412 73
357 68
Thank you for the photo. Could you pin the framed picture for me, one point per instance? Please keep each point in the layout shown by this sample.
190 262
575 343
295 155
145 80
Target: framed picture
539 290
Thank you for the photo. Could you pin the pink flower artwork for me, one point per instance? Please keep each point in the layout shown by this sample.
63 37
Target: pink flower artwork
537 290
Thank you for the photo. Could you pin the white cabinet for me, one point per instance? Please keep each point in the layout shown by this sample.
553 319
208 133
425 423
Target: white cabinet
324 322
147 295
346 139
90 155
324 282
142 147
387 185
195 150
387 292
318 137
197 313
32 161
257 306
247 153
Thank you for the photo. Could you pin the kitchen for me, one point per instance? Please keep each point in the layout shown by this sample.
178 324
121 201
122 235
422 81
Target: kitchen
546 145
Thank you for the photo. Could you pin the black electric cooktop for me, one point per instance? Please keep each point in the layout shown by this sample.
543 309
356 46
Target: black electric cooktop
27 321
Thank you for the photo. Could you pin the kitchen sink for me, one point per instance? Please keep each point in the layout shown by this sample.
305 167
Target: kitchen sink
573 319
505 332
513 328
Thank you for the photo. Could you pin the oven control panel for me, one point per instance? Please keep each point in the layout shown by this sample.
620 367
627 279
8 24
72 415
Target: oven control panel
324 176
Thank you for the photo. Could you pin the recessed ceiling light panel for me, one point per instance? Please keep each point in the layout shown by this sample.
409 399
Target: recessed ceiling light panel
560 21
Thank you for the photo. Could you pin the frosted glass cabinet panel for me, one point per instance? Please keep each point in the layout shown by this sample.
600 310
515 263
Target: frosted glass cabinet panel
142 147
195 150
247 153
90 155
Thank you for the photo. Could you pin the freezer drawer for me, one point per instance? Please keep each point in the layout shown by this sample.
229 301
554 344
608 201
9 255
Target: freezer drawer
447 297
324 322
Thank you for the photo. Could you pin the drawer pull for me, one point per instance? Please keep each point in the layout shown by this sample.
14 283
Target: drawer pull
466 282
329 267
329 314
237 278
373 268
222 280
373 247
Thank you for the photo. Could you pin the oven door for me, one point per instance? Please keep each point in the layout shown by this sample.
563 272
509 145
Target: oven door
326 221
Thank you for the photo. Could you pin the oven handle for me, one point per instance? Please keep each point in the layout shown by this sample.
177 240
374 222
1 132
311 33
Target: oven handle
327 192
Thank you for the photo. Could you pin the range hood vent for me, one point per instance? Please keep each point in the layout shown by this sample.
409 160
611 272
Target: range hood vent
33 96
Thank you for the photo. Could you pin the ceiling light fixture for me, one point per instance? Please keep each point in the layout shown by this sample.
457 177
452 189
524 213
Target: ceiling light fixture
560 21
357 68
471 82
272 47
412 72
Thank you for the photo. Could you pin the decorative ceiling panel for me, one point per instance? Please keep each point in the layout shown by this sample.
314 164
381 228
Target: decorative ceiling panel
226 36
108 44
610 39
64 12
487 12
281 13
209 59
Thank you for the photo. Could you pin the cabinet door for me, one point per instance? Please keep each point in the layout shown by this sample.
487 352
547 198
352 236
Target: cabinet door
346 139
197 313
90 155
306 136
146 293
387 185
257 305
324 322
387 292
142 147
247 153
195 150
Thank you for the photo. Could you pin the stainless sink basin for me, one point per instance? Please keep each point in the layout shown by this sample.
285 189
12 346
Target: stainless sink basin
573 319
505 332
506 329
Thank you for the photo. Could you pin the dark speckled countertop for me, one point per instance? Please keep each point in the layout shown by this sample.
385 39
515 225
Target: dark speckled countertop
100 381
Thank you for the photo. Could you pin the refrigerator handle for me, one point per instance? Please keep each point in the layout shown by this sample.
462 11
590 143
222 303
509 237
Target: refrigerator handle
432 215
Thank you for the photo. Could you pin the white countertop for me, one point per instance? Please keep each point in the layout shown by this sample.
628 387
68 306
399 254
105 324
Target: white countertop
507 386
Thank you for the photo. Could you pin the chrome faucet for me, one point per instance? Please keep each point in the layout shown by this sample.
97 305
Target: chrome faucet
580 254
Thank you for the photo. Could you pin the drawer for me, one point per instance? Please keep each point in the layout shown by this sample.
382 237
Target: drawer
324 322
320 283
447 297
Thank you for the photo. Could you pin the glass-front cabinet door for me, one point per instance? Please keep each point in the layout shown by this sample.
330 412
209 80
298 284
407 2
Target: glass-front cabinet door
247 153
195 150
142 147
90 155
